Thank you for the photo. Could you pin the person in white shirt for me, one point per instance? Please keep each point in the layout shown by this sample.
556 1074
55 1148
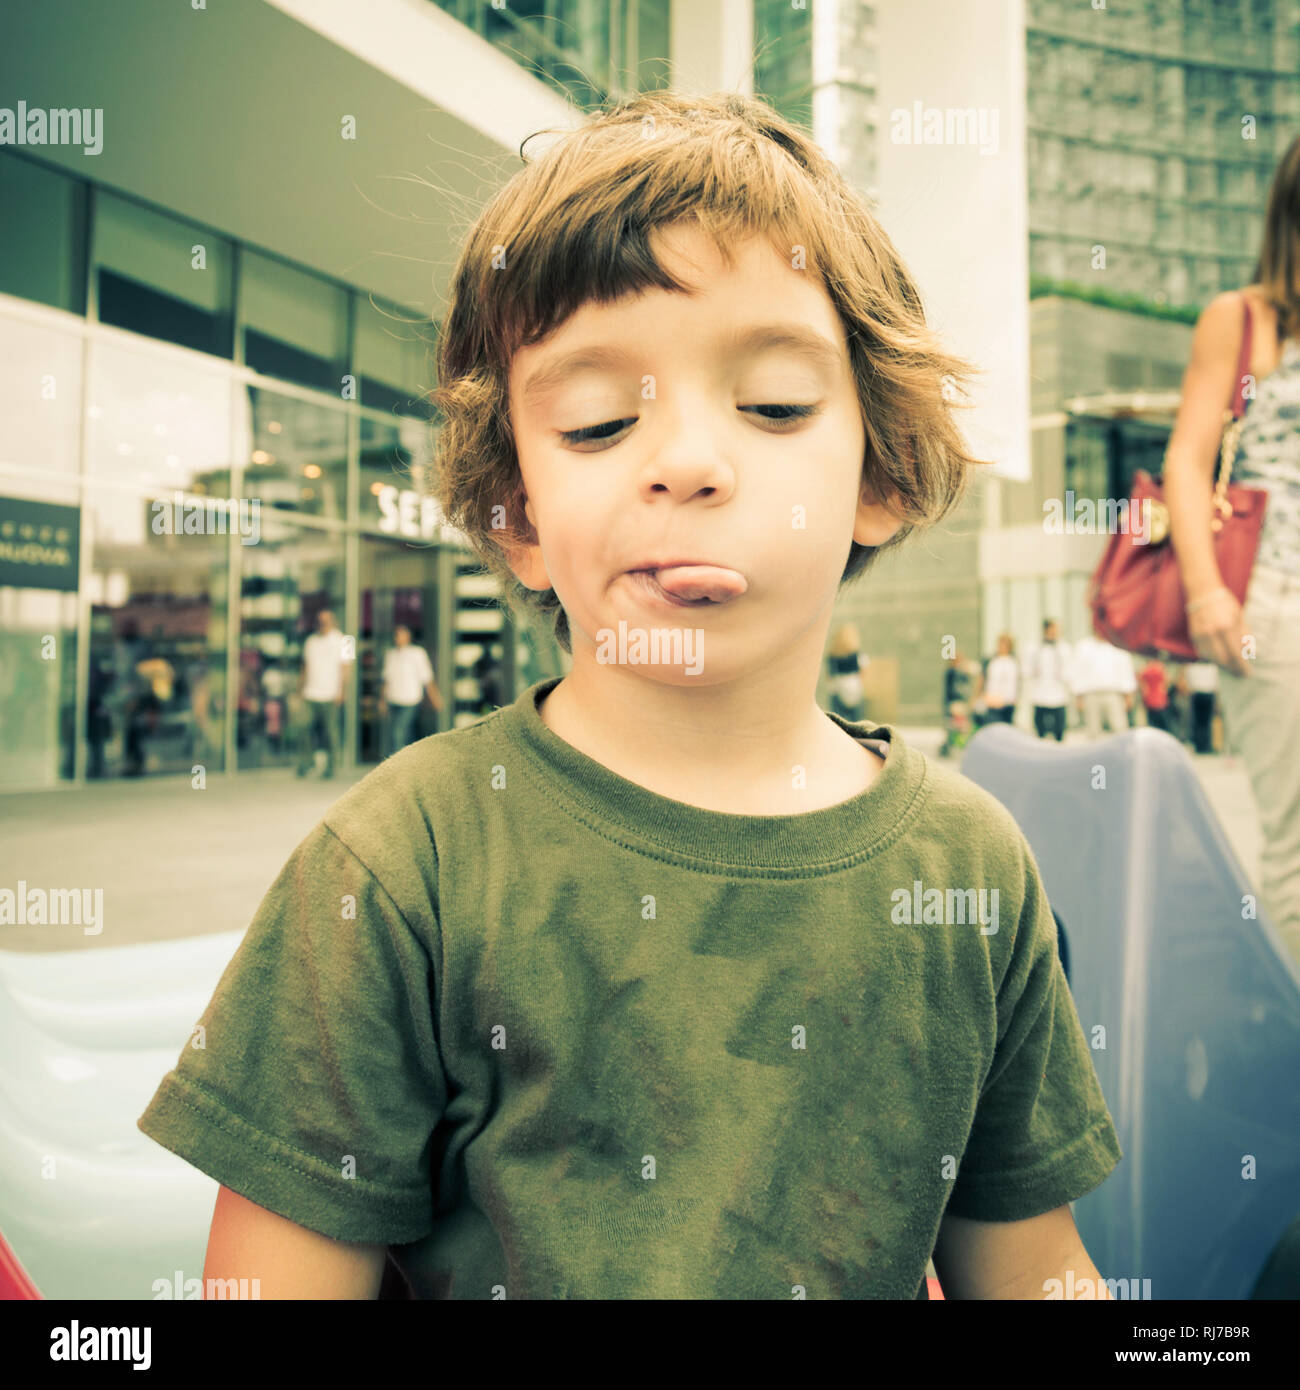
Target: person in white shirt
1001 685
323 685
1203 682
408 678
1047 672
1104 684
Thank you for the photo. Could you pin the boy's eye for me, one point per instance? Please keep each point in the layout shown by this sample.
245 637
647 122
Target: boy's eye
594 432
795 412
789 414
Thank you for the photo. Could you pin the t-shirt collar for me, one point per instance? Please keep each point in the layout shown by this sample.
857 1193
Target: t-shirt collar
785 846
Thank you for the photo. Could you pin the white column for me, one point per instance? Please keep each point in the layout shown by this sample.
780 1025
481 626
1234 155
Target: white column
953 196
711 43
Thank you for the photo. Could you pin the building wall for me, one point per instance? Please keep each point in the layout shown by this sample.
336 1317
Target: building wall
1154 129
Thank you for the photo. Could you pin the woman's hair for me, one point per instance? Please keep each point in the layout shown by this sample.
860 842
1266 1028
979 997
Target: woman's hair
575 227
1278 268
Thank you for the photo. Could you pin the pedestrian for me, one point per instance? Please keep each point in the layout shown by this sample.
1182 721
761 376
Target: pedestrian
155 682
845 662
407 680
1047 673
1260 690
1001 682
1104 685
1202 682
958 680
1176 715
323 685
1155 694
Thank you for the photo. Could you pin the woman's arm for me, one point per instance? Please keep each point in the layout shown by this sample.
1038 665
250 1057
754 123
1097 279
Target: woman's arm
1193 450
1191 459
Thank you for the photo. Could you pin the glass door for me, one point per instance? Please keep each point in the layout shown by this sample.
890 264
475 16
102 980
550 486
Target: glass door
399 588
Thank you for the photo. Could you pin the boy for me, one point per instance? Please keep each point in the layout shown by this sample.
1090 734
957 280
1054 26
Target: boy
620 992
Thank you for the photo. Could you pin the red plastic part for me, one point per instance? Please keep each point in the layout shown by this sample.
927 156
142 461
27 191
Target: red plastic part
14 1283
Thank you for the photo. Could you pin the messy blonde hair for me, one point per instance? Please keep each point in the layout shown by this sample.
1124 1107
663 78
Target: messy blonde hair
575 226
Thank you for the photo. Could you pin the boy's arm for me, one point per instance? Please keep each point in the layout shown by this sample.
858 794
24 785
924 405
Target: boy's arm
1012 1259
288 1261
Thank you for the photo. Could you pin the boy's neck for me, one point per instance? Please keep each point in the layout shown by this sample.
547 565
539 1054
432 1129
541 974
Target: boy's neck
713 747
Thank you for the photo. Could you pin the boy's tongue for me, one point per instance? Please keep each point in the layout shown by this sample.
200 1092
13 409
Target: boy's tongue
701 581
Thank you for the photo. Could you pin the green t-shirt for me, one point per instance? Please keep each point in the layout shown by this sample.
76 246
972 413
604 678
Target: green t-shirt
548 1034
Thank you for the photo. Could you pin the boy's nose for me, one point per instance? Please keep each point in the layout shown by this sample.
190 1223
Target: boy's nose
689 462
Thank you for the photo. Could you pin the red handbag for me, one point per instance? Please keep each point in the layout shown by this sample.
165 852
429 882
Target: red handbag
1137 593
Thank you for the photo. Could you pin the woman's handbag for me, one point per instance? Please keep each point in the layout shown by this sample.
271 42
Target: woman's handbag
1136 594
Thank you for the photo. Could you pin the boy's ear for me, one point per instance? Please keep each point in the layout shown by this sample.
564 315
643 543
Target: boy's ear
525 557
874 523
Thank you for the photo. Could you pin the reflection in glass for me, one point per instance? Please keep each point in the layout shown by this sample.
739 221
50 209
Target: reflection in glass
288 577
158 420
157 643
399 587
298 455
295 323
162 277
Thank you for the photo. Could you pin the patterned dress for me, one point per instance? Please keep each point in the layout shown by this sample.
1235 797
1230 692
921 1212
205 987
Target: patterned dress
1268 457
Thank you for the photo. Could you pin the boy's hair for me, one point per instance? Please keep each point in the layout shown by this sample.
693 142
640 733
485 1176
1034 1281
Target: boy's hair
574 227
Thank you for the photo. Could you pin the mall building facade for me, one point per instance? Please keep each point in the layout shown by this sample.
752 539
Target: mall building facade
204 445
216 337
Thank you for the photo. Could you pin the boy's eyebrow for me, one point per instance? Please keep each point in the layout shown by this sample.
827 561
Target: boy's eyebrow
804 342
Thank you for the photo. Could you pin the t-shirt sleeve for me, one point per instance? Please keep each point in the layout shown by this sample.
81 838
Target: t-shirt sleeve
313 1082
1042 1135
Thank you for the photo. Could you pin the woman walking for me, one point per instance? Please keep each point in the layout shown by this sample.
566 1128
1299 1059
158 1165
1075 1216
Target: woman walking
1258 646
1155 694
1002 681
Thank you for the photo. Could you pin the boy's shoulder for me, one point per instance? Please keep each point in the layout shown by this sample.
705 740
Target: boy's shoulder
961 813
394 810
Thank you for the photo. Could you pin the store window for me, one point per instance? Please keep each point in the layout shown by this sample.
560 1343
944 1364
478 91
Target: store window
293 573
295 323
40 400
40 420
42 234
39 550
157 420
296 459
157 638
162 277
393 358
399 588
396 480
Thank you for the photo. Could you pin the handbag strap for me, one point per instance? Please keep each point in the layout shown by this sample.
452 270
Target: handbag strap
1222 508
1243 362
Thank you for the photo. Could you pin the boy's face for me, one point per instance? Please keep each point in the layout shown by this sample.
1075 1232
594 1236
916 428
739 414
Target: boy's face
686 466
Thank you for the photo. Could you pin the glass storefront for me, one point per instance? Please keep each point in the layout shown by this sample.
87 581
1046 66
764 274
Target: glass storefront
287 578
399 588
184 487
